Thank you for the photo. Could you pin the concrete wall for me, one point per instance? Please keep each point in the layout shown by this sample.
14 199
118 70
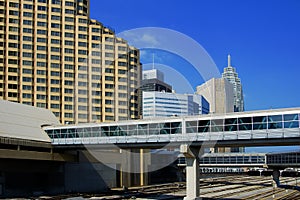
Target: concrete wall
89 177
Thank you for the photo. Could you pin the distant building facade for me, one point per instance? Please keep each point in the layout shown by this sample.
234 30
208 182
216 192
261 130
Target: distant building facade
152 80
219 93
232 76
161 104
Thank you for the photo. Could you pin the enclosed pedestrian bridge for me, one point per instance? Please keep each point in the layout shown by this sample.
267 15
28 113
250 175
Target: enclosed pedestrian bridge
257 128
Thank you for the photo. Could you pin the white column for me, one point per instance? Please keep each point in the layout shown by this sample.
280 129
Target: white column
192 171
192 179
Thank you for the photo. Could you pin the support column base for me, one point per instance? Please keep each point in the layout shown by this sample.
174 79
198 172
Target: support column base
188 198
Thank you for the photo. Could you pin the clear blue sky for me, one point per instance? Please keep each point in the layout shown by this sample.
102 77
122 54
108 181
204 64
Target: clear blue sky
262 36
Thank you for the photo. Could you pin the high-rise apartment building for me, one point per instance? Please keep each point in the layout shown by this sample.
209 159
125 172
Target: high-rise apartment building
52 55
232 76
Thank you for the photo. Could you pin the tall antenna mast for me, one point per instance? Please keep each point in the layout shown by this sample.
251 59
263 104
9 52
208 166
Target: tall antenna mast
153 61
229 60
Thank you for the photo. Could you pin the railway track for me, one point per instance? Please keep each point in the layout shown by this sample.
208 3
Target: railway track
257 191
239 187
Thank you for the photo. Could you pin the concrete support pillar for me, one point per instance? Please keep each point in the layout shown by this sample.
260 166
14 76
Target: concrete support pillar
134 167
125 169
144 163
276 175
192 171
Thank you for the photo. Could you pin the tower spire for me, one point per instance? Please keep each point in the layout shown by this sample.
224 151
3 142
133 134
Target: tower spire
229 60
153 61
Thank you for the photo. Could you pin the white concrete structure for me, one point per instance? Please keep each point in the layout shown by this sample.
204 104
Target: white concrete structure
219 93
232 76
161 104
18 121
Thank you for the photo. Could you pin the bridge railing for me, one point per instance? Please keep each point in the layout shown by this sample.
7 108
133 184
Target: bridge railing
201 128
166 138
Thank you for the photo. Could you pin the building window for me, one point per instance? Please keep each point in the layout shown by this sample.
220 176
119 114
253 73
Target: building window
55 10
55 65
54 81
69 3
27 22
82 44
69 99
69 66
27 46
43 8
41 56
41 88
69 43
27 79
69 27
96 30
68 107
55 57
41 32
54 73
55 98
40 96
54 89
95 37
27 71
55 25
27 62
68 91
69 35
69 50
41 80
69 19
82 28
27 30
27 6
42 48
41 64
57 2
26 96
69 59
109 47
55 49
69 115
43 24
69 11
28 55
42 40
55 106
69 74
42 16
55 33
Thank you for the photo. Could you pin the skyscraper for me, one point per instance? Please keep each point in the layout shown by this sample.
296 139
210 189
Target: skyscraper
219 93
232 76
52 55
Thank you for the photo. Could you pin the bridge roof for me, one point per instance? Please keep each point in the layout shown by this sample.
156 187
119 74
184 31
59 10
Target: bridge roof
18 121
174 119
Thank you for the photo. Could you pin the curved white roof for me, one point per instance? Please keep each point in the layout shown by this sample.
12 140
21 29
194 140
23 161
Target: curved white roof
24 122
